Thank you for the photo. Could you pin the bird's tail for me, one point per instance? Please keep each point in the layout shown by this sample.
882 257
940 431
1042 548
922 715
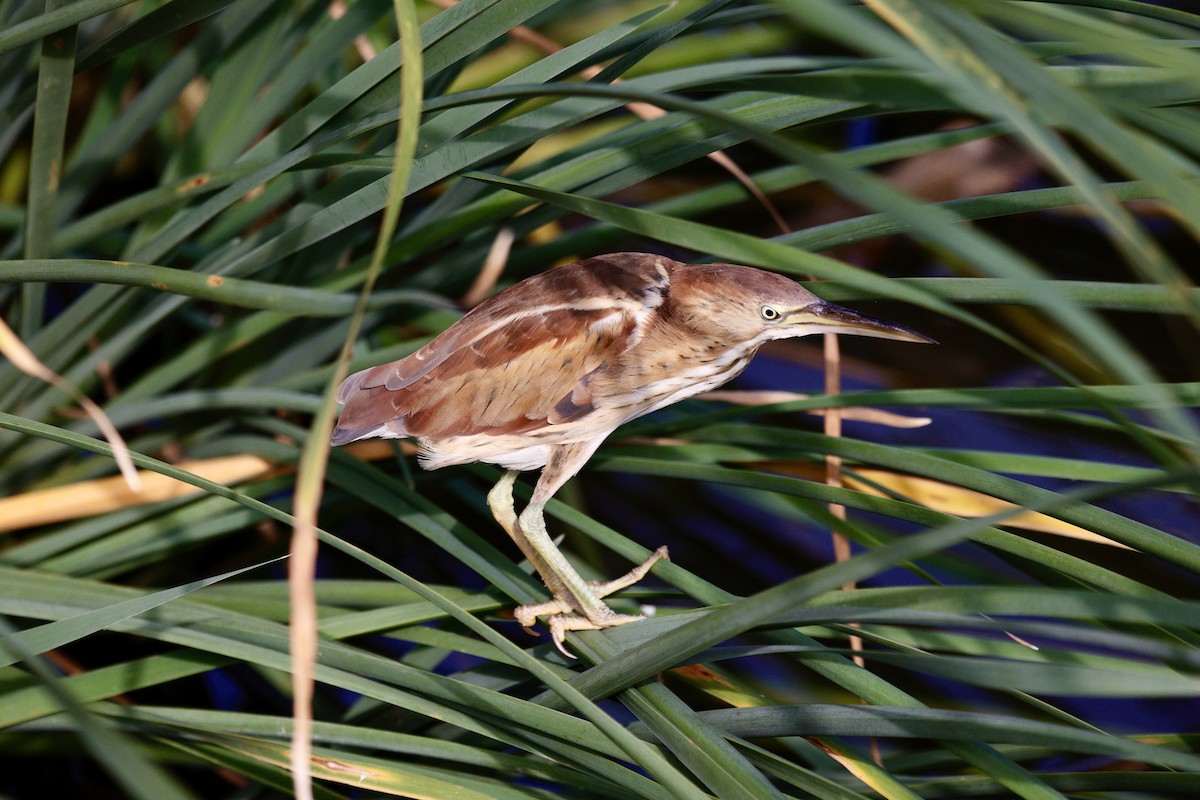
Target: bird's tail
343 434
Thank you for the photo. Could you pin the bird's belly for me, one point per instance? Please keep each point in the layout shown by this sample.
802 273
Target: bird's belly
520 452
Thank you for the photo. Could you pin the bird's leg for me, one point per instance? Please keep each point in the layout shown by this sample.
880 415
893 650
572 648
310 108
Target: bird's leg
571 592
500 501
557 611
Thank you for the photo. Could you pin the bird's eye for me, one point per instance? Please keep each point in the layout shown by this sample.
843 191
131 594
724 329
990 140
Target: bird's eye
769 314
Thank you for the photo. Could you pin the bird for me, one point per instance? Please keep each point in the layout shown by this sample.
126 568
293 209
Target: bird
537 376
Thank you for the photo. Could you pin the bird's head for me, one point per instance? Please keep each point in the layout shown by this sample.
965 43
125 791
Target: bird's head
744 304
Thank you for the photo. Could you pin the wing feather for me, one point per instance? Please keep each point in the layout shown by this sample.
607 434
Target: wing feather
512 381
531 373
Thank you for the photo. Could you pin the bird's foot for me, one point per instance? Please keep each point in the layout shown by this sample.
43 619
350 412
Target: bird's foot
561 612
560 618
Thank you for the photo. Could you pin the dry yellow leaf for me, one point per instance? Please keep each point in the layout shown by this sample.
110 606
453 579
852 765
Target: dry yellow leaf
100 496
89 498
944 497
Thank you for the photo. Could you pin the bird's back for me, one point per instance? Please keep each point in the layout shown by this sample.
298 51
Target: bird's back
518 364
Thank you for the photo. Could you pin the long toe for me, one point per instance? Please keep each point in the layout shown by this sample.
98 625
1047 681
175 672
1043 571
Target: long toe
605 588
527 615
612 619
561 623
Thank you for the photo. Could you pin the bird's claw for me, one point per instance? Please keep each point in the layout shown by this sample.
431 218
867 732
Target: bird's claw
562 613
561 623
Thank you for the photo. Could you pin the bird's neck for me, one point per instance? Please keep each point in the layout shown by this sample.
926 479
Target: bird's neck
664 368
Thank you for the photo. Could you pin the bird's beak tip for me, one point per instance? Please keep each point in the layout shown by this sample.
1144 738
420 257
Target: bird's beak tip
905 334
845 320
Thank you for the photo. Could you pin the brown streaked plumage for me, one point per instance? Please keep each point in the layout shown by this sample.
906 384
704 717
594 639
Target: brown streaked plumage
537 376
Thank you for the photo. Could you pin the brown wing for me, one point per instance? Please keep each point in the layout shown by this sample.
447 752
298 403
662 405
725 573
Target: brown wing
515 379
523 360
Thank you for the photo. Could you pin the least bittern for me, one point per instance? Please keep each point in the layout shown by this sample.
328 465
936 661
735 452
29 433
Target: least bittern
540 374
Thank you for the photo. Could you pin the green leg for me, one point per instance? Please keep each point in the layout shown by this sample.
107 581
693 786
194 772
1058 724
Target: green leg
577 604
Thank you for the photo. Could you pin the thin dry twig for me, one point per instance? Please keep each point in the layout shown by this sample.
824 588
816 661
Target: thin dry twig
24 359
833 477
767 397
302 623
366 50
492 269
